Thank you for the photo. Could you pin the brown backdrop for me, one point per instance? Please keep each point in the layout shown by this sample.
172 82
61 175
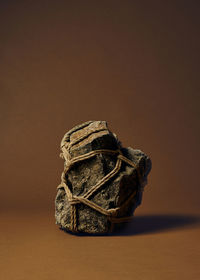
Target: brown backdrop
134 64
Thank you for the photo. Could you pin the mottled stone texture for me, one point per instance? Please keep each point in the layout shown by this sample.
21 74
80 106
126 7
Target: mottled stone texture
90 136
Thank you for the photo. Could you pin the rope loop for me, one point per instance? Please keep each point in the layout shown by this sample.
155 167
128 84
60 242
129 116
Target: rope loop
75 200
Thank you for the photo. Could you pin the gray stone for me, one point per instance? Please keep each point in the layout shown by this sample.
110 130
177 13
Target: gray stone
82 139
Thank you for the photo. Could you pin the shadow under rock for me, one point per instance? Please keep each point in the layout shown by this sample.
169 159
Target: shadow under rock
156 223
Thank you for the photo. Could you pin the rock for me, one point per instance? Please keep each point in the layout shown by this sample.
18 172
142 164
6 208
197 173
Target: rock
81 204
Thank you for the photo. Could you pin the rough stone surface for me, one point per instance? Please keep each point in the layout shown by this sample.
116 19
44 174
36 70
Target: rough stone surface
90 136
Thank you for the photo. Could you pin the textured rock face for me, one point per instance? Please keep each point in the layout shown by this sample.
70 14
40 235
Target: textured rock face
119 195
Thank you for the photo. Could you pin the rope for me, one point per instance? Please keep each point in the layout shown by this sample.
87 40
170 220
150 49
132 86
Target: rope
74 200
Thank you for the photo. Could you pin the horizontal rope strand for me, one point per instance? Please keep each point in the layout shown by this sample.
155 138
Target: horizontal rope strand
87 156
96 207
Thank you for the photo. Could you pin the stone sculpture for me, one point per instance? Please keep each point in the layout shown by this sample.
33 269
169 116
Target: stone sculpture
102 182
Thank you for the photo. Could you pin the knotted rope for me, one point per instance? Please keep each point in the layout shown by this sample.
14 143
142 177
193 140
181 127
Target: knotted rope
74 200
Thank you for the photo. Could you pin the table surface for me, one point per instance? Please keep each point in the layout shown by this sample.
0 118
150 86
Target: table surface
153 246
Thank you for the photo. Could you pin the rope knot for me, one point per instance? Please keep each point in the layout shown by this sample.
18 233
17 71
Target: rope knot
74 200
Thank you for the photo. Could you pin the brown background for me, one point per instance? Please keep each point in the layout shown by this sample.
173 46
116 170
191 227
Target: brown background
134 64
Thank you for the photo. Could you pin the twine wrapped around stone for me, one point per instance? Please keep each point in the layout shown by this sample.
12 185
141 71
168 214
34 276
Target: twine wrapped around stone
102 183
